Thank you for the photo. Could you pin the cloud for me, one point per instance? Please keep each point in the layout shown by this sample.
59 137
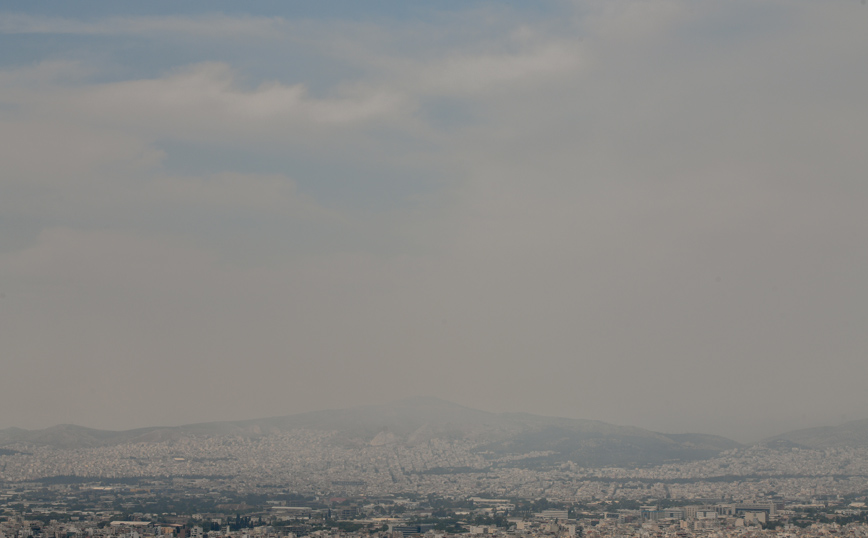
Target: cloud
201 101
213 26
469 75
43 154
44 74
234 192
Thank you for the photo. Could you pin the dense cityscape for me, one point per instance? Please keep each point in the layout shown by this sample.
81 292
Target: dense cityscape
307 483
306 462
199 507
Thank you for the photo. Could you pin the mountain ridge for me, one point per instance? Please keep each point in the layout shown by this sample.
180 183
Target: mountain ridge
849 434
416 421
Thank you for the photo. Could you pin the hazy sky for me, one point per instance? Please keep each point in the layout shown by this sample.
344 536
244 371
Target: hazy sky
647 212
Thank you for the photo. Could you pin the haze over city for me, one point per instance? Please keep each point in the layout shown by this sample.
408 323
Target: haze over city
649 213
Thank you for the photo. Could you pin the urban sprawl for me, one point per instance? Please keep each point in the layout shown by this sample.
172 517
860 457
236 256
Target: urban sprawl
298 484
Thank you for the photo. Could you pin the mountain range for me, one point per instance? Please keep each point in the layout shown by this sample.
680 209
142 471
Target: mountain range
414 421
848 434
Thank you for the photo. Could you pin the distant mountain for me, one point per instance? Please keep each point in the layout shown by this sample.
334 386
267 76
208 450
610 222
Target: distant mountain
849 434
541 440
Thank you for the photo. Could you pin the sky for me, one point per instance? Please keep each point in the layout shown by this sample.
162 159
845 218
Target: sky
647 212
